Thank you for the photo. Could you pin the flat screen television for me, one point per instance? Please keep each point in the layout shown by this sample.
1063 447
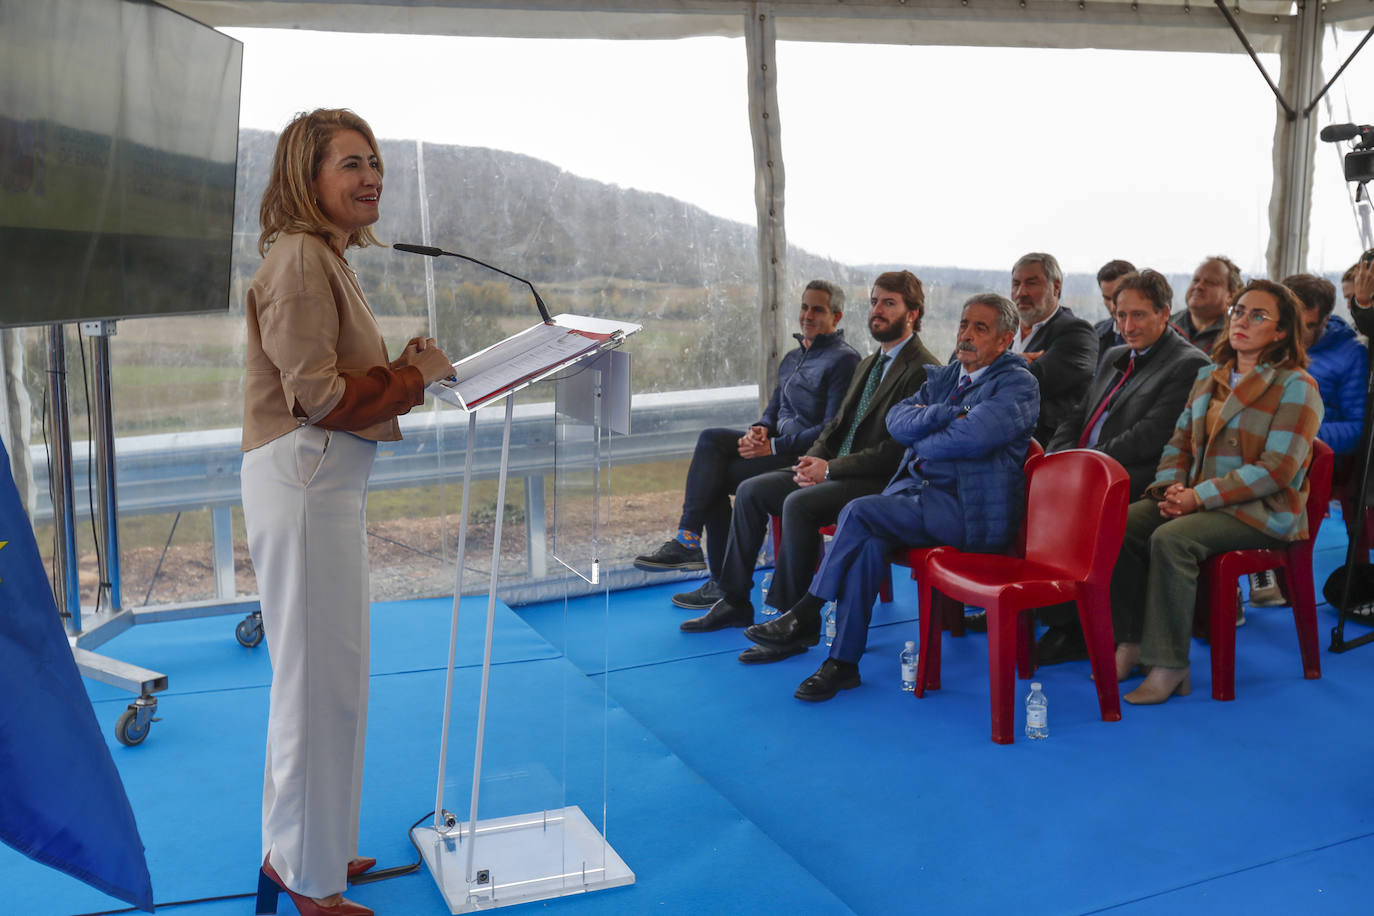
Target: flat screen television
118 138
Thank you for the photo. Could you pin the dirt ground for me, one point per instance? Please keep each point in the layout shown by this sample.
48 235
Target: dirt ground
410 558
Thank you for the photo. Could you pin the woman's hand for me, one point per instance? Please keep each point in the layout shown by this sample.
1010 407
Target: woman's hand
432 363
424 354
412 347
1179 501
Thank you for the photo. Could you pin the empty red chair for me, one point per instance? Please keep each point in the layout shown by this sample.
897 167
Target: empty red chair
1075 522
949 614
1293 567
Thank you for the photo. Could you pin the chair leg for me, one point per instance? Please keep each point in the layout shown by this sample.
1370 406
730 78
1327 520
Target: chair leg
953 614
1095 615
928 653
1299 585
1002 639
1221 593
885 589
1025 646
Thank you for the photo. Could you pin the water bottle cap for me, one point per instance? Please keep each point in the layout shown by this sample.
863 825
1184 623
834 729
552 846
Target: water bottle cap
911 643
1035 685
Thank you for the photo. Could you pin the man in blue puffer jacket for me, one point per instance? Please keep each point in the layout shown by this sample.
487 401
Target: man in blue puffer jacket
1338 361
960 483
812 380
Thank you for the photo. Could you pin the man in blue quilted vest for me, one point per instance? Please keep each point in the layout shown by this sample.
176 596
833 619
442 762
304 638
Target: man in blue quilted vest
812 381
960 483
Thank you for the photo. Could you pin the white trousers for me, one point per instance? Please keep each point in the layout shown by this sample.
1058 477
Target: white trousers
304 499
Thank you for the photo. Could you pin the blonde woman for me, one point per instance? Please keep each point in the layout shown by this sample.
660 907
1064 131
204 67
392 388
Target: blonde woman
320 393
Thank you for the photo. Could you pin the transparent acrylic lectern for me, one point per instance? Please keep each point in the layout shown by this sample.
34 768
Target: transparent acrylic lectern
525 732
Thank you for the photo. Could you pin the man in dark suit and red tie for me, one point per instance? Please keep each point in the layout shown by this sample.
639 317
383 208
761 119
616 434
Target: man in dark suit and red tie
1129 413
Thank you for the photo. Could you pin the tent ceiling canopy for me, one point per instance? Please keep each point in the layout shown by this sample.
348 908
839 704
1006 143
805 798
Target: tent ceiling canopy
1120 24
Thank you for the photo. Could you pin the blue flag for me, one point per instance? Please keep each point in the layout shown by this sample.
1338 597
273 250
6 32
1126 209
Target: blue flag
62 801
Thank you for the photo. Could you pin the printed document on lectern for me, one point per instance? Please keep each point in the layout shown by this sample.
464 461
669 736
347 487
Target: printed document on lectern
527 357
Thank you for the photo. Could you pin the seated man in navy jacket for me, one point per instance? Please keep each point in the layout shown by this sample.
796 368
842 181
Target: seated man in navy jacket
961 482
812 380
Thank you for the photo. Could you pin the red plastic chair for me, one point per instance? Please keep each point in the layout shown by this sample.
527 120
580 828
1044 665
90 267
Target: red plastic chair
949 614
915 558
1062 562
1293 566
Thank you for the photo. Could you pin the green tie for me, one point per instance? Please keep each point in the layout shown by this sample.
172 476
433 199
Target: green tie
875 375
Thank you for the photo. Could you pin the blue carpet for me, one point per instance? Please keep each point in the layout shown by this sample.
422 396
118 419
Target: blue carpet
726 794
196 783
1194 806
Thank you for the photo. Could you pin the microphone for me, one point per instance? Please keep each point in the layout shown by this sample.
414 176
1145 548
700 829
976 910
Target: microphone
419 249
430 251
1335 133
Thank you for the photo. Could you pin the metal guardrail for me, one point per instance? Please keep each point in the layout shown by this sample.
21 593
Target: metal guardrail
173 472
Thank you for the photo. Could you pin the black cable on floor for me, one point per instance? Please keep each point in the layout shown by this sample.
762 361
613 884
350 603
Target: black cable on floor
380 874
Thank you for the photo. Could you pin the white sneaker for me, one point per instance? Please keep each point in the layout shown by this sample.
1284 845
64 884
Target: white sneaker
1264 590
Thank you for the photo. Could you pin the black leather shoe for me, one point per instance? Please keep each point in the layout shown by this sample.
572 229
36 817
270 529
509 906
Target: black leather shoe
699 599
976 623
786 631
830 678
1061 644
758 655
721 615
671 555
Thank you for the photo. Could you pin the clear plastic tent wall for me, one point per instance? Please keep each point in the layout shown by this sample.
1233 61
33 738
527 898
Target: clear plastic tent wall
715 284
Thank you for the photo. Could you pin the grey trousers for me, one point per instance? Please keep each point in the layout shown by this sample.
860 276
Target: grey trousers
1155 582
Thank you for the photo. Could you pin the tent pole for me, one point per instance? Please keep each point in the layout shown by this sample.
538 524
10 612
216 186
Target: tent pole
1290 200
760 41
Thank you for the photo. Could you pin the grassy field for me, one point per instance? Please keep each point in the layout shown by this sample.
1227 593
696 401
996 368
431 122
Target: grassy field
185 373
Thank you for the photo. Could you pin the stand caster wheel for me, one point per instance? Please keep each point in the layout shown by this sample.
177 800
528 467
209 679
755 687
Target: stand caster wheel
249 630
133 725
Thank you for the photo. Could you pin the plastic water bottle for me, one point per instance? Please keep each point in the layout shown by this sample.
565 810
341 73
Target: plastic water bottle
908 658
1037 713
829 623
768 611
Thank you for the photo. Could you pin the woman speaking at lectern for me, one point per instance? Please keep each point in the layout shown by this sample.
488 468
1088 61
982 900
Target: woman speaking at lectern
319 394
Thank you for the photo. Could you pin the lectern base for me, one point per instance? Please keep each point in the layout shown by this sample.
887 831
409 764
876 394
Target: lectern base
518 859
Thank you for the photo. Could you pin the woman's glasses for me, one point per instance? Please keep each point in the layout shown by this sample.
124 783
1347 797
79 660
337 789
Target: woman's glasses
1252 317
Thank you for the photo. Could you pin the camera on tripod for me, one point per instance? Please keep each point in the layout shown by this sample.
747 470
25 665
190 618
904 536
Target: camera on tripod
1359 162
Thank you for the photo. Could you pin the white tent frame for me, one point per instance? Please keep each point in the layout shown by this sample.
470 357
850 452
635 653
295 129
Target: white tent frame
1293 31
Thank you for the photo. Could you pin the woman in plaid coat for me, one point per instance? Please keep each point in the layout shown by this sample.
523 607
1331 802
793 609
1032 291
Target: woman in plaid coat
1233 477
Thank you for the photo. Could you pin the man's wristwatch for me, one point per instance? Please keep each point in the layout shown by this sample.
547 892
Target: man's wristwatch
827 472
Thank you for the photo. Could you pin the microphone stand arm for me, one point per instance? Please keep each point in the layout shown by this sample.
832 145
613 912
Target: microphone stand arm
436 252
